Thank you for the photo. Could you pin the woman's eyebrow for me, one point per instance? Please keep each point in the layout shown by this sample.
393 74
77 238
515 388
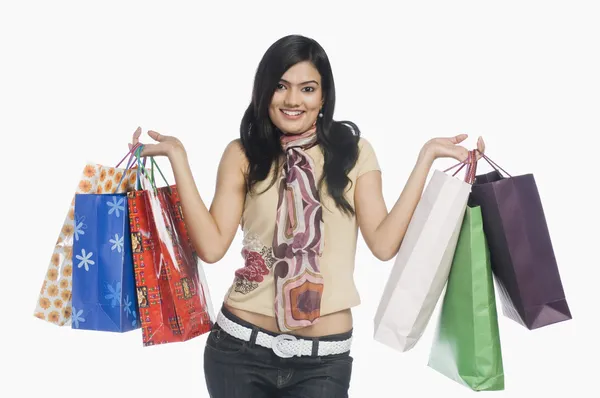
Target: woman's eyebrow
303 83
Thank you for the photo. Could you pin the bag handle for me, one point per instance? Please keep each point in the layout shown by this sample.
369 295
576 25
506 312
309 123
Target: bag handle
493 164
131 153
153 163
142 169
471 163
130 164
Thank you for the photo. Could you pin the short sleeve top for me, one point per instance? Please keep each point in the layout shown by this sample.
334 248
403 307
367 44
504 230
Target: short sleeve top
253 286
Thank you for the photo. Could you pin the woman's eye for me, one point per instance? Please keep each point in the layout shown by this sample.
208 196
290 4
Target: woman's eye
309 89
280 86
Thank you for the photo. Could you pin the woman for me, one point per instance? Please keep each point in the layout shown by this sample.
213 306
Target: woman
300 185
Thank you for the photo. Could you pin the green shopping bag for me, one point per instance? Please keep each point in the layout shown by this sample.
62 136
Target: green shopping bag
466 347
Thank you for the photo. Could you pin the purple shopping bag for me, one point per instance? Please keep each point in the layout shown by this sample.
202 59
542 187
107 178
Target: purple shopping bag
521 252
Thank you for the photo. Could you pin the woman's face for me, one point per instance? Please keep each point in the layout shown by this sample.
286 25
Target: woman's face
297 99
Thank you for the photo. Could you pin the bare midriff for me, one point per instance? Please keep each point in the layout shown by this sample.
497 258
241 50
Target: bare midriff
335 323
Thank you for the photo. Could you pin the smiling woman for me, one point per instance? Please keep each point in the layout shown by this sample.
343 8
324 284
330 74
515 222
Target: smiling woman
294 76
300 184
297 99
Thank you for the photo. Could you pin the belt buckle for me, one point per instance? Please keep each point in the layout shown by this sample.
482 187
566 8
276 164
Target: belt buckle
280 339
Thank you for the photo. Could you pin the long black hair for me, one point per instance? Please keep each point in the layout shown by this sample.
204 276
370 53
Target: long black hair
261 138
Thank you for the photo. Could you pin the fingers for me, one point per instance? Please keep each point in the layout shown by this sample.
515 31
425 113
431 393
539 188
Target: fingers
480 145
136 136
148 151
134 148
462 154
156 136
458 138
480 148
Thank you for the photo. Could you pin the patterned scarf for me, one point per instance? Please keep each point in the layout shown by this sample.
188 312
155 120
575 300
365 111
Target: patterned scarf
298 237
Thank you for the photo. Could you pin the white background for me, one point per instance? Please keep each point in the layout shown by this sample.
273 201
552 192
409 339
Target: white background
76 78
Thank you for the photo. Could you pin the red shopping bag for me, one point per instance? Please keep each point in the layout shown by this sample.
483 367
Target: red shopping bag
173 298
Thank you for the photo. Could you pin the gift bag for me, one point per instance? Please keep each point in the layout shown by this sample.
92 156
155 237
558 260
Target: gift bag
423 262
522 255
54 300
104 295
466 346
172 292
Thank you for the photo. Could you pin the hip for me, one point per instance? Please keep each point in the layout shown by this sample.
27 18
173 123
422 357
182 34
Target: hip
244 360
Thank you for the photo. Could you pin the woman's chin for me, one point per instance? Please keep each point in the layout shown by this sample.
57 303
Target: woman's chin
292 127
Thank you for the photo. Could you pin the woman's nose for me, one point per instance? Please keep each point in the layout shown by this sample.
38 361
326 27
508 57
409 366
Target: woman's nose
292 98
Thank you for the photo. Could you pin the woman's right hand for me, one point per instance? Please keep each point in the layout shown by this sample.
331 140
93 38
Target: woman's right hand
165 146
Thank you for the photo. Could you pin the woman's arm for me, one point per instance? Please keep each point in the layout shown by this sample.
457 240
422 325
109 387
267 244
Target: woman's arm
383 232
211 231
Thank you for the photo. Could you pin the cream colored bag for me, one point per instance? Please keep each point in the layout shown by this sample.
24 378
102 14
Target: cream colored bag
54 301
423 262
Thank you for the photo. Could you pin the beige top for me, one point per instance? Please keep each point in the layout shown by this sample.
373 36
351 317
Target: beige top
253 287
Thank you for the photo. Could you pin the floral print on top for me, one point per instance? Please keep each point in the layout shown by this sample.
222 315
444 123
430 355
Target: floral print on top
337 260
258 262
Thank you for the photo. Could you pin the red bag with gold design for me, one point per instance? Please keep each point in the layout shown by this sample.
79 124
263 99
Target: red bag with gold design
172 292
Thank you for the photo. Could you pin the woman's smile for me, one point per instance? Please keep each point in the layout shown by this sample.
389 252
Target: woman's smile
291 114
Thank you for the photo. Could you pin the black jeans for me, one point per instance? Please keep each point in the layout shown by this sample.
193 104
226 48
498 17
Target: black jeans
235 368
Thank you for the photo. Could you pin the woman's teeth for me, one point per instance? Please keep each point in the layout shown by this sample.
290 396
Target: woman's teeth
292 113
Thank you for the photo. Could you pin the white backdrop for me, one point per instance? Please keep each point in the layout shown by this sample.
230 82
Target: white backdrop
76 78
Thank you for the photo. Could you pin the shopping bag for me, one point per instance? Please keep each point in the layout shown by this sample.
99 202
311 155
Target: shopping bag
466 346
522 254
421 267
172 292
103 295
54 300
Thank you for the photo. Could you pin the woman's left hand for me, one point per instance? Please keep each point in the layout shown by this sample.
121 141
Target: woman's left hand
447 147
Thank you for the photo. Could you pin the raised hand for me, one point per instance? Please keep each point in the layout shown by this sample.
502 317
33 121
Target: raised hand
447 147
165 145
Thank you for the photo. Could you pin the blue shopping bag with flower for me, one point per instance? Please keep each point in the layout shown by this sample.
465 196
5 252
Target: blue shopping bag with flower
103 293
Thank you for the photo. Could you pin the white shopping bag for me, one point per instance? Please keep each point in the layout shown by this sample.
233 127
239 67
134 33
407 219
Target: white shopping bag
423 262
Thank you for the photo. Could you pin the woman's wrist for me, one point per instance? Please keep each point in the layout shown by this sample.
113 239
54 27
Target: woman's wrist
176 152
427 155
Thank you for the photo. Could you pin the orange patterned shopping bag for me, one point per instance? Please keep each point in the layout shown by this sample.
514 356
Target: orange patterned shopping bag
54 301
